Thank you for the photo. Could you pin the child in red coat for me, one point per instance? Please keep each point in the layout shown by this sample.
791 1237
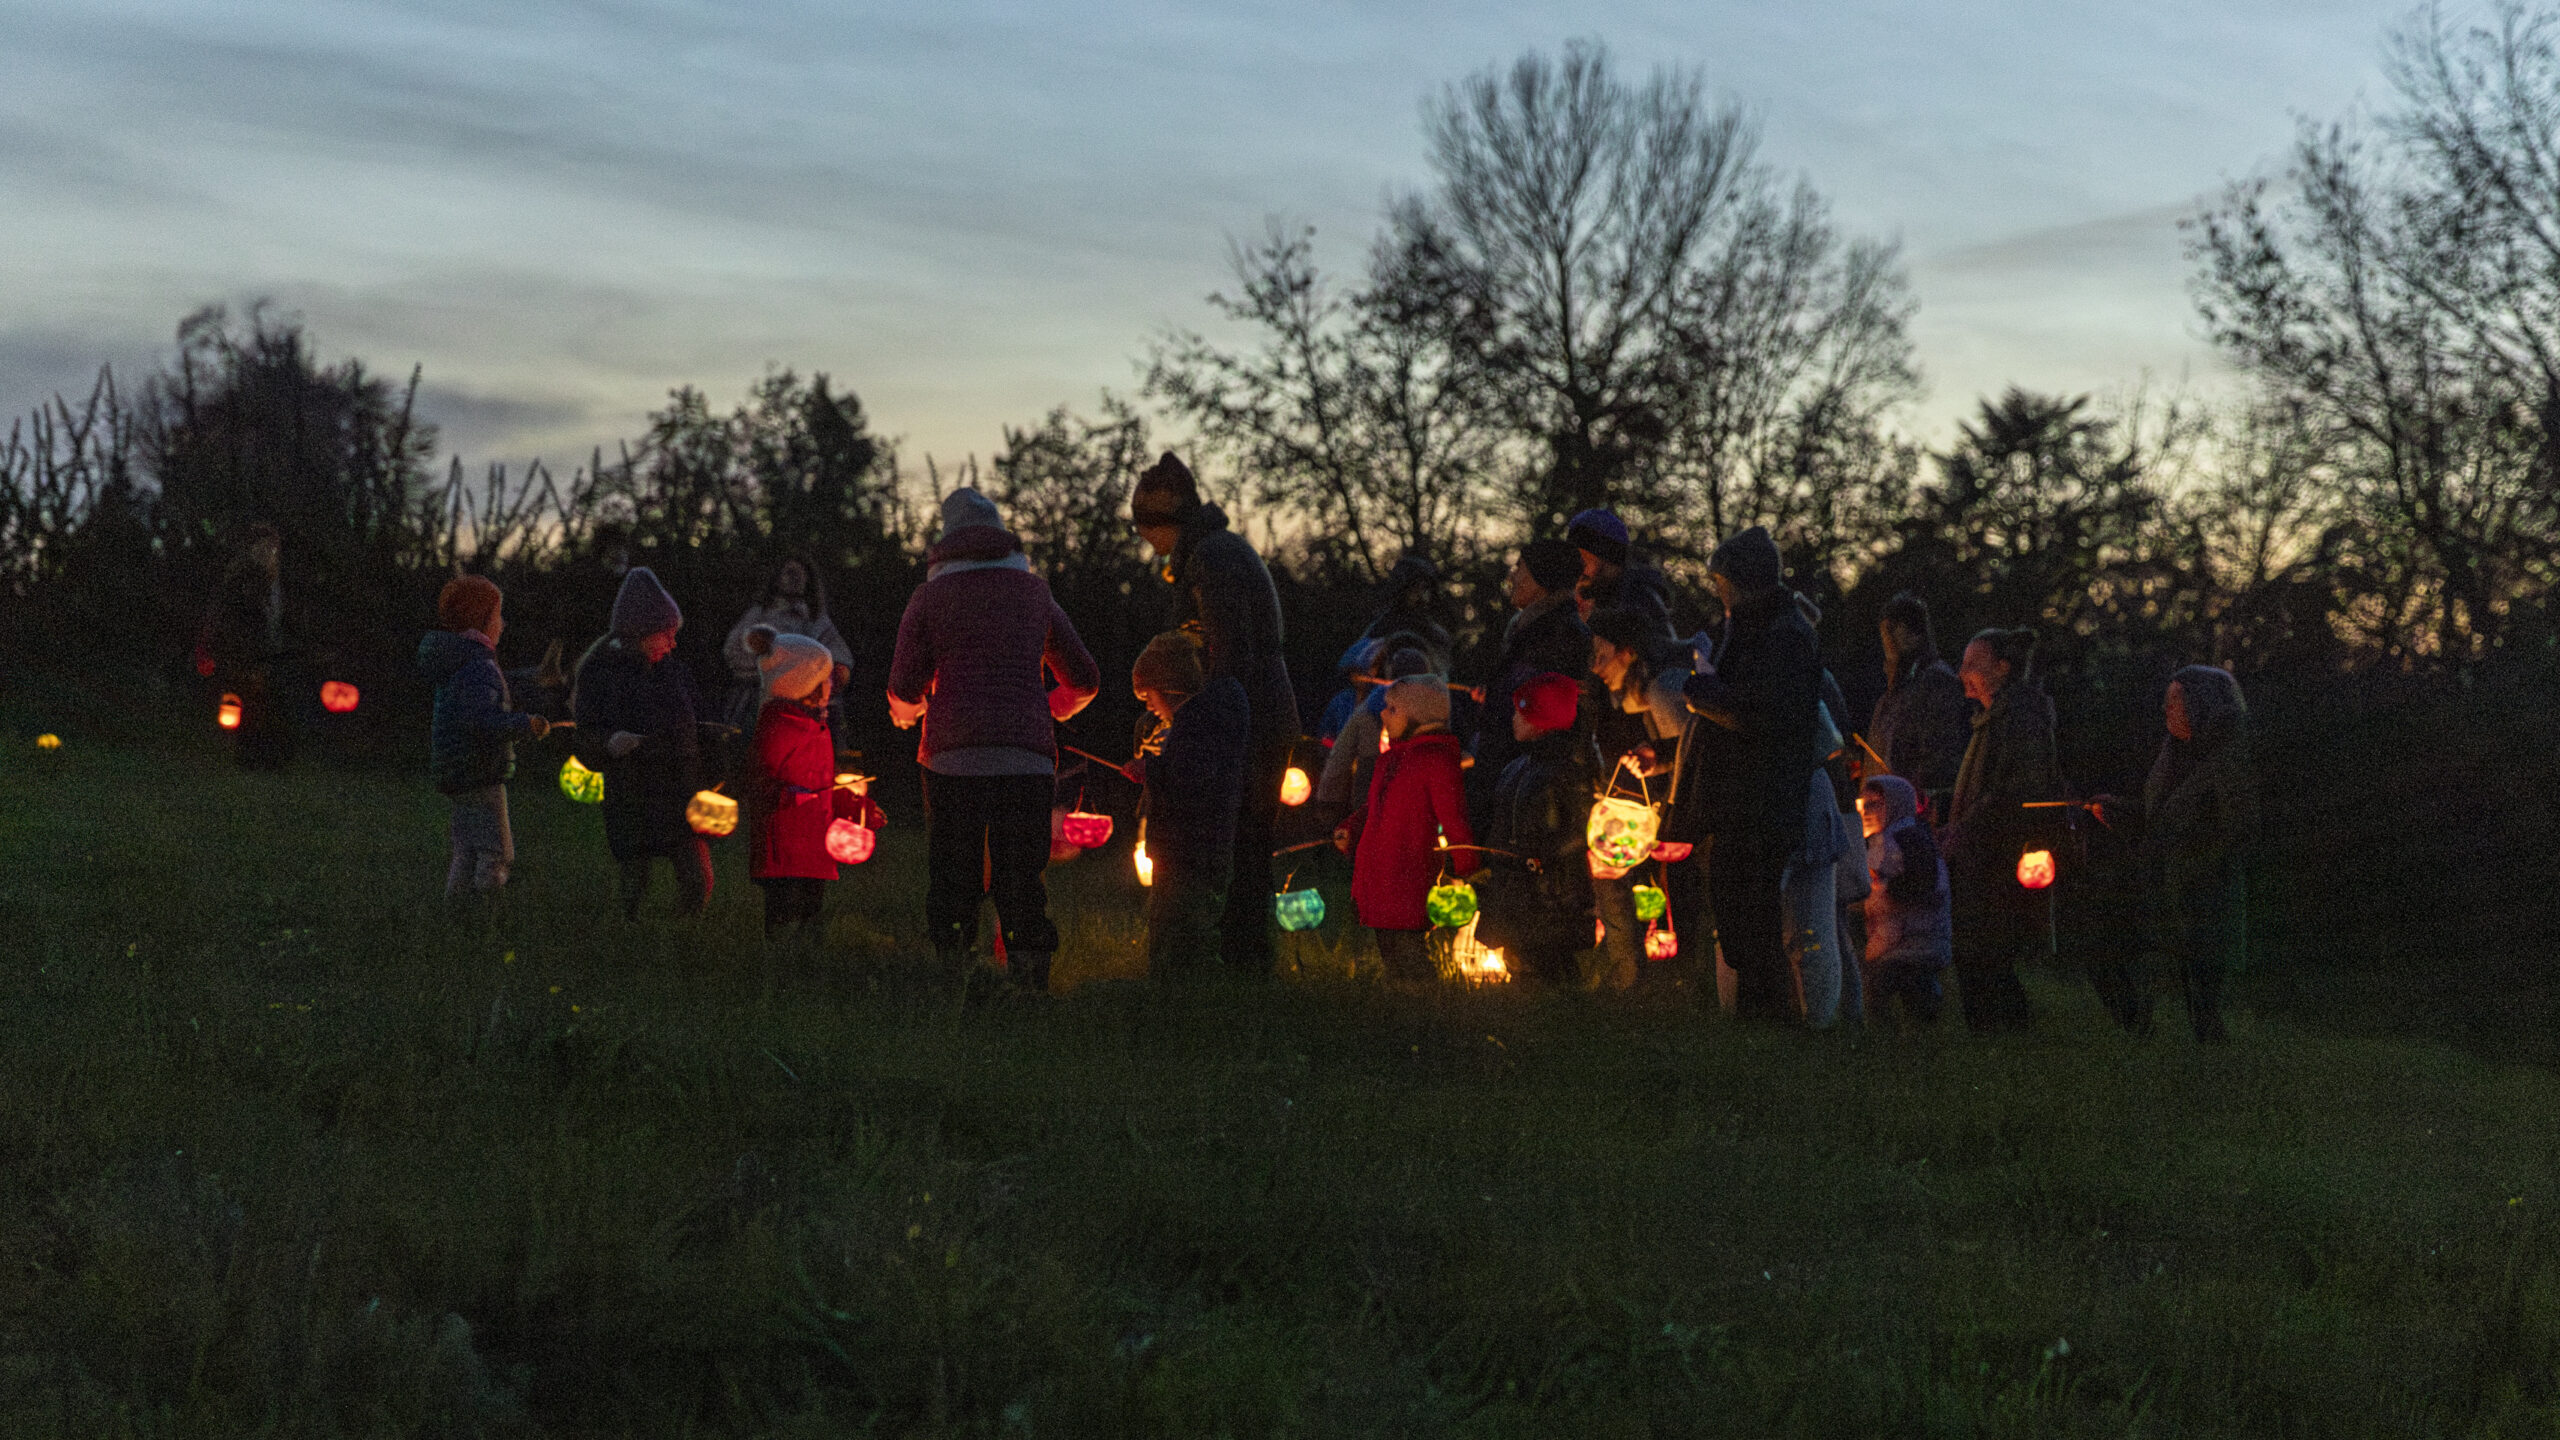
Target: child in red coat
791 794
1415 800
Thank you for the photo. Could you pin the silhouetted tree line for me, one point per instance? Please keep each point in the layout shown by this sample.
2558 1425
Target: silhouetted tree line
1603 297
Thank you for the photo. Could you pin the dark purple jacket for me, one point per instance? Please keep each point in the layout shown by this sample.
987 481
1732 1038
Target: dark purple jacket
976 642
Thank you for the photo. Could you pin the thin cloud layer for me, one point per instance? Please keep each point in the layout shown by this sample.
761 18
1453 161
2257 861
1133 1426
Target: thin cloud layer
969 213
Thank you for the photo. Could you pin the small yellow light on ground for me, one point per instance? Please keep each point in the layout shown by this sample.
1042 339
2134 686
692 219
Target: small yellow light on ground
48 742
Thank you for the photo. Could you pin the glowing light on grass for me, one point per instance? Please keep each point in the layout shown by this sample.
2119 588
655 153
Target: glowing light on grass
227 714
48 742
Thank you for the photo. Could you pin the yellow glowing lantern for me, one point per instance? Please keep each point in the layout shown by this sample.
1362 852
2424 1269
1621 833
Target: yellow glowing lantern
2035 869
338 697
711 813
48 742
227 714
1295 787
580 783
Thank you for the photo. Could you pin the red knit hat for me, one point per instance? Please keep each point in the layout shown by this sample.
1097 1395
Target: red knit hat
1548 701
468 602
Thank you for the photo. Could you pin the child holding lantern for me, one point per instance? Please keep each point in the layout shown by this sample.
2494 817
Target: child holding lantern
1416 799
791 785
1193 773
637 711
471 747
1537 902
1909 937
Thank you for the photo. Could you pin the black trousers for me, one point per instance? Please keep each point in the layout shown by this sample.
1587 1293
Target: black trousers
1744 875
1244 929
792 900
265 740
1991 928
690 859
988 835
1407 956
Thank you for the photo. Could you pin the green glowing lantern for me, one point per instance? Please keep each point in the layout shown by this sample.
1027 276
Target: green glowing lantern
1450 904
1299 909
1651 902
580 783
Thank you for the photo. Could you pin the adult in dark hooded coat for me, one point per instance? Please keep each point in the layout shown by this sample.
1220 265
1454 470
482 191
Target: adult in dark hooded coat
1923 721
1751 765
2010 763
1612 579
2197 820
1545 636
1224 596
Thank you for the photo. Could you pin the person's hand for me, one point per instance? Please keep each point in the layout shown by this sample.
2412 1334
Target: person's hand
621 743
1475 693
841 676
2107 809
1064 703
1135 772
1342 838
540 726
904 714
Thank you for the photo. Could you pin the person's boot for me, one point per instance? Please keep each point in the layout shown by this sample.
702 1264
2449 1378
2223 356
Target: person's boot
1029 971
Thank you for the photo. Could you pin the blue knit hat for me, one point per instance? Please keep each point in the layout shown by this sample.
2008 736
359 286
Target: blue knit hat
644 607
1601 532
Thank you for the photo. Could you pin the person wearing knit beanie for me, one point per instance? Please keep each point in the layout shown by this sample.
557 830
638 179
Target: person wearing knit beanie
1599 534
643 606
1546 703
469 602
965 507
1554 564
1166 494
791 667
1750 563
1422 701
1169 666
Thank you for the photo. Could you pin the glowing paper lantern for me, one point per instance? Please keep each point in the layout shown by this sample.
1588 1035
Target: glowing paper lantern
1472 962
1651 902
1661 944
48 742
227 714
338 697
1450 904
2035 869
580 783
1146 867
1084 830
1299 909
1672 852
850 842
1621 831
1295 787
711 813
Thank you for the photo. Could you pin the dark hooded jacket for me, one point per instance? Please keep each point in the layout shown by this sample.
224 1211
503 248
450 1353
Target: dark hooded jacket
2200 811
1547 637
1643 589
1922 725
1541 810
471 742
1751 766
645 792
2009 762
1223 594
1907 907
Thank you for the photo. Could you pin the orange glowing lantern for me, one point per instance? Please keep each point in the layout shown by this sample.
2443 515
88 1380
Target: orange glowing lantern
48 742
2035 869
850 842
1472 962
1084 830
338 697
711 813
1295 787
227 714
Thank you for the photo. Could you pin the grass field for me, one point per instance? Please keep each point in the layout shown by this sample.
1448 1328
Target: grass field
285 1152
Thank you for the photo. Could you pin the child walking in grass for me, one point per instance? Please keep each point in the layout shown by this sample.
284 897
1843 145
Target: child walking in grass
791 786
1537 901
471 748
637 712
1416 799
1193 774
1909 936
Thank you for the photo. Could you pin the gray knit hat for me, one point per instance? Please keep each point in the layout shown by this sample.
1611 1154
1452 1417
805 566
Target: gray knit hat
1424 697
1751 561
644 607
791 666
965 507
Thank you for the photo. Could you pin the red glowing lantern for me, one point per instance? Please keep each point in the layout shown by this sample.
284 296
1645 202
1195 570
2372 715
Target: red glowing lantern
2035 869
227 714
849 843
338 697
1084 830
1660 943
1295 787
1672 852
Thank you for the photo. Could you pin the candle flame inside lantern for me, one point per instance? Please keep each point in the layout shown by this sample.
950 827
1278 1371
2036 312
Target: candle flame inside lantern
227 714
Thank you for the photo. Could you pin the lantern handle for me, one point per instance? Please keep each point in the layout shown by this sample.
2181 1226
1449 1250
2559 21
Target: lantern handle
1324 844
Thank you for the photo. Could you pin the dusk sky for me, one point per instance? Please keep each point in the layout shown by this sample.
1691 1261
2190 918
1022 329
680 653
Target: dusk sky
969 213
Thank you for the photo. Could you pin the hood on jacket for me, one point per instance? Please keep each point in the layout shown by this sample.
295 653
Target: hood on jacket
2214 704
443 652
973 542
1895 794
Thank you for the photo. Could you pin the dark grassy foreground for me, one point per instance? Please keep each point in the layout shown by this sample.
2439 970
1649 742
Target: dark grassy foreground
281 1152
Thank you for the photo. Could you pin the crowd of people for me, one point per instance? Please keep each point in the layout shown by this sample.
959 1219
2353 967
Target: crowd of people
1624 805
